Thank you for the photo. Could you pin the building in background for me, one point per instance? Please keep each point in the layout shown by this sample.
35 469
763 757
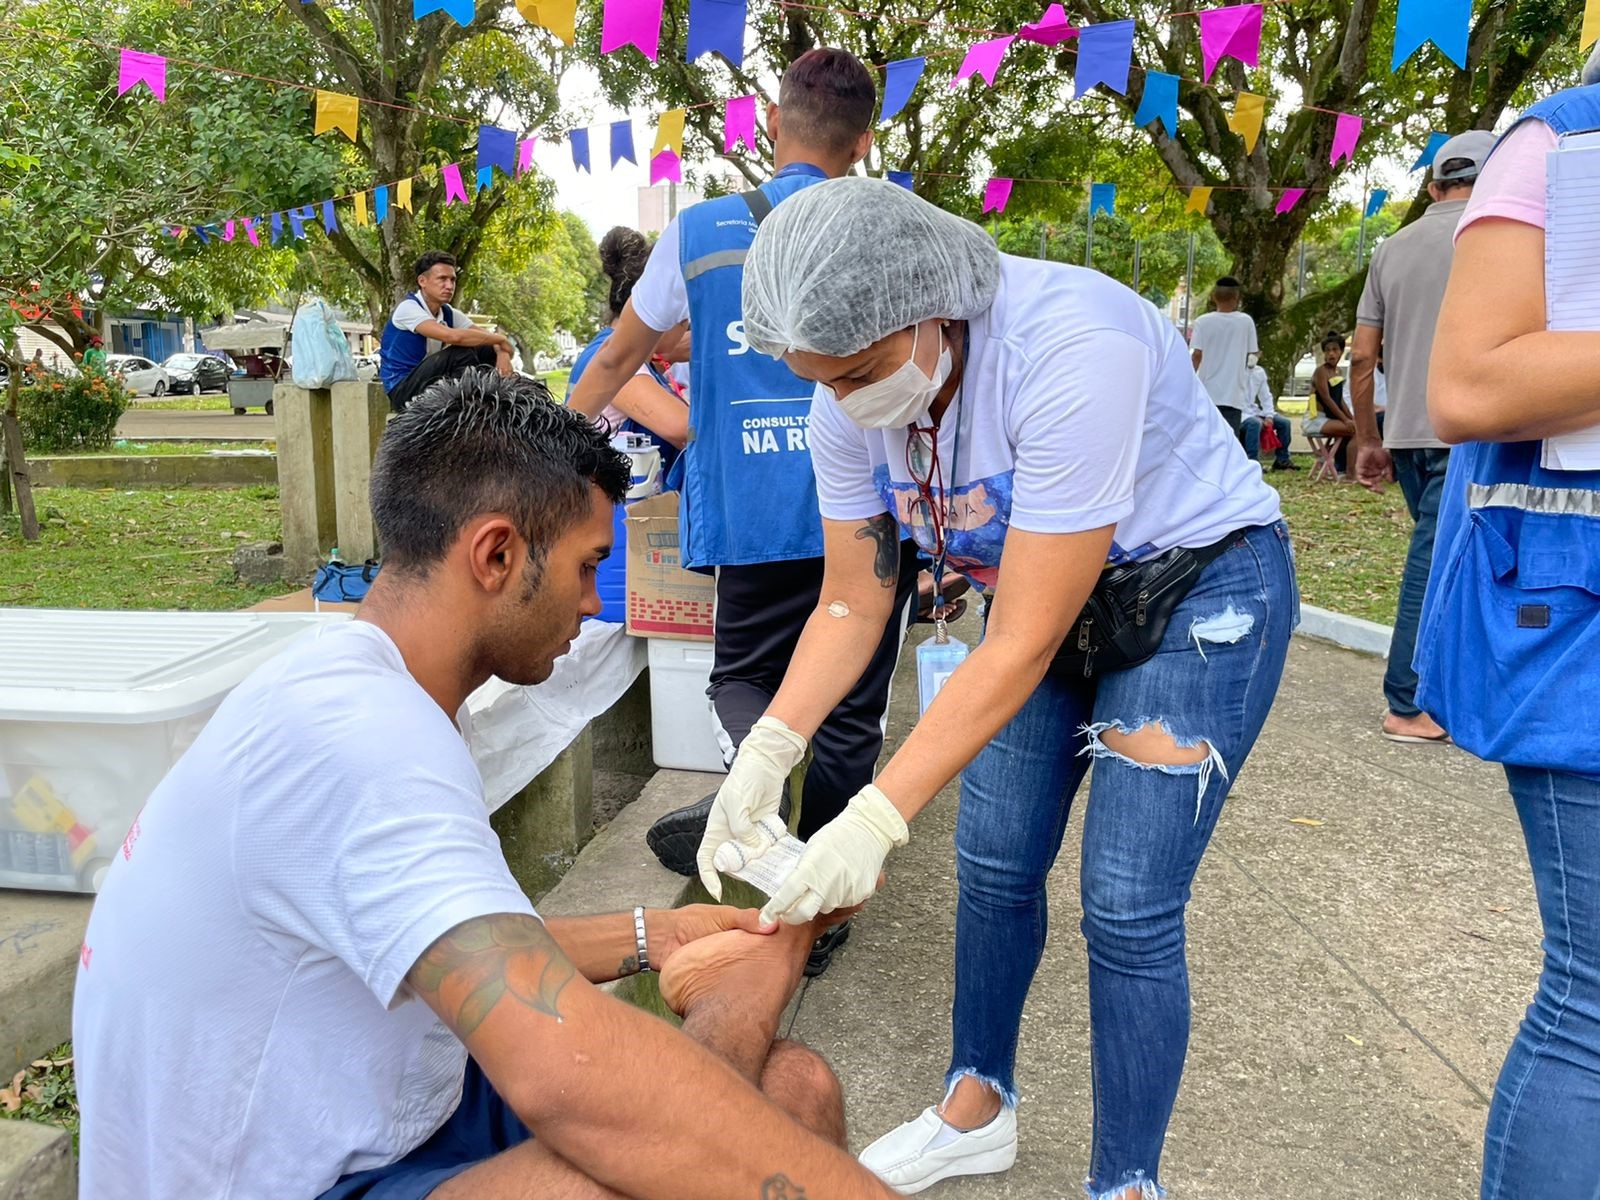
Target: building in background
658 205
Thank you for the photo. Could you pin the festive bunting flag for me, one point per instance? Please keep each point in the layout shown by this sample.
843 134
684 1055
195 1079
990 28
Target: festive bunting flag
560 17
402 194
1376 202
580 148
899 81
380 203
277 227
1445 23
329 221
1105 52
666 167
1290 197
1231 32
297 224
1425 159
622 142
903 178
669 132
199 232
227 231
634 23
1591 24
497 148
1103 198
996 194
362 216
1049 30
739 124
460 10
454 190
716 26
1249 111
484 178
250 231
1346 133
1199 197
135 67
1159 102
983 58
335 110
525 155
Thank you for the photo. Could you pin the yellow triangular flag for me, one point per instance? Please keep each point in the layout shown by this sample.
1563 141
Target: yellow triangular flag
560 17
402 194
1591 24
669 132
335 110
1249 111
1199 197
361 209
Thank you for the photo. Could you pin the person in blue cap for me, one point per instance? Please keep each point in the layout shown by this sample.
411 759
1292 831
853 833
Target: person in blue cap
749 501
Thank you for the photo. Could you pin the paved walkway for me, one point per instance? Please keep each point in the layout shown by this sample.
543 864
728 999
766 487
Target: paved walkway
1355 983
144 424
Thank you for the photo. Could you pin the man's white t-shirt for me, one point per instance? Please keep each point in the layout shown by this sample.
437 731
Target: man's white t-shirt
1223 339
661 297
1078 409
411 312
242 1026
1259 401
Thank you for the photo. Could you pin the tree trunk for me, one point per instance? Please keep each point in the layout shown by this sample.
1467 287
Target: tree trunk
16 459
1292 331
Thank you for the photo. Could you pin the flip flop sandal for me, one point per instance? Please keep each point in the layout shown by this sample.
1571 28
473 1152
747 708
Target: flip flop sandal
1411 739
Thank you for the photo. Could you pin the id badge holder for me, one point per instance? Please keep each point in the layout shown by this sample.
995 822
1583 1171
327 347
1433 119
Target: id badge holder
937 659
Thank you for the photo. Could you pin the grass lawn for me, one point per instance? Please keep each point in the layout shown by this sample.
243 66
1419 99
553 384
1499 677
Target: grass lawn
1349 544
144 449
211 403
135 550
556 381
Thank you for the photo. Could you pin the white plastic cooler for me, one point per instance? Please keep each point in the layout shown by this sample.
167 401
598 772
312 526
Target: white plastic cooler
95 708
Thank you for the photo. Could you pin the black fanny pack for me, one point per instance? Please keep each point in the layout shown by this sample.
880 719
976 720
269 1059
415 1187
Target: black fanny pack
1126 616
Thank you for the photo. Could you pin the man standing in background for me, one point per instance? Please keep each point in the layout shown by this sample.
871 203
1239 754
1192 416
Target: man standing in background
1218 345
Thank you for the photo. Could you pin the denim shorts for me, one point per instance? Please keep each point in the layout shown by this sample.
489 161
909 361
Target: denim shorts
482 1126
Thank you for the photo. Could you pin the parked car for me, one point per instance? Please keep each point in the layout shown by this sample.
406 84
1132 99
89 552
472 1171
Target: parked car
142 376
367 366
196 373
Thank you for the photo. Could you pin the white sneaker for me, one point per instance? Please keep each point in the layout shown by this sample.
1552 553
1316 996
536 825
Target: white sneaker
911 1157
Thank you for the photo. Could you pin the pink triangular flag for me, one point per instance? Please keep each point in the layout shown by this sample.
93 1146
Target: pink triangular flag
136 67
996 194
1346 133
525 155
250 232
1234 32
454 189
1290 197
983 58
227 231
1050 29
666 167
739 124
631 23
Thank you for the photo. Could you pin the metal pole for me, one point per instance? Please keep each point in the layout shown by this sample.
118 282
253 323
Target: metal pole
1136 246
1188 290
672 200
1044 236
1361 237
1300 289
1088 241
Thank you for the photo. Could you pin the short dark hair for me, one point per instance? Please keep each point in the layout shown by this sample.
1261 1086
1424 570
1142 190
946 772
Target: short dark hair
1333 338
827 99
1451 167
482 443
1226 284
431 259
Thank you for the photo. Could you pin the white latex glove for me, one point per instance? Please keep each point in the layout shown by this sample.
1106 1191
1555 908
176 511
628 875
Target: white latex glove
842 860
745 811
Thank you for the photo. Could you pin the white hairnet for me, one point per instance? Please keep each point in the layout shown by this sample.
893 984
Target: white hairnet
841 264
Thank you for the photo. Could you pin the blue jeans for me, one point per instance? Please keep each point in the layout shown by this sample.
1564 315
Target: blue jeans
1250 431
1144 830
1420 474
1541 1135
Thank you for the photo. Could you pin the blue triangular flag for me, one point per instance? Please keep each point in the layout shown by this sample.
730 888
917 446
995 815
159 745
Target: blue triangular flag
1425 159
1105 53
460 10
380 203
1159 102
903 178
497 148
297 224
277 227
899 81
716 25
622 142
1445 23
200 232
1103 198
329 221
580 148
485 179
1376 201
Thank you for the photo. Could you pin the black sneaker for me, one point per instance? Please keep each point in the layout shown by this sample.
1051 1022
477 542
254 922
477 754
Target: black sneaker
822 949
675 838
1291 465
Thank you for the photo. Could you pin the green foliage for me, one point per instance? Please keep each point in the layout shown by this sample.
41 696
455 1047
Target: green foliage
560 287
45 1091
77 411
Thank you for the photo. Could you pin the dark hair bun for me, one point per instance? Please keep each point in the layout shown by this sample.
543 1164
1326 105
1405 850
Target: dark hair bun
623 253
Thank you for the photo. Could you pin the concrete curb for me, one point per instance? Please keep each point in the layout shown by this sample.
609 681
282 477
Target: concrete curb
40 936
161 471
1353 633
36 1162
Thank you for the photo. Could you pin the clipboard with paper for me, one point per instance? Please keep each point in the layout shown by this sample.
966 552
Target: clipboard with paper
1572 273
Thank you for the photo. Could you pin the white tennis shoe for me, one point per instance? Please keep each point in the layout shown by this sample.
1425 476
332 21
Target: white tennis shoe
923 1151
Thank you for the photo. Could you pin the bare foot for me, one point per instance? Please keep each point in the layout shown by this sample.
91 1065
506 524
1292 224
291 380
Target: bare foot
1422 727
757 966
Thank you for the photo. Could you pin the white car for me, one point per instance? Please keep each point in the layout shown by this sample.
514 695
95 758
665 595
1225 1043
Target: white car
142 376
368 366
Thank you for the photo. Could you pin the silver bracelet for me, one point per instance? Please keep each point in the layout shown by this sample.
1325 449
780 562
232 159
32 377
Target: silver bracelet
638 937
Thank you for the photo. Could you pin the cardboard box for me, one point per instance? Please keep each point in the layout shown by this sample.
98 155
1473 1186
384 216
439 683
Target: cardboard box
664 599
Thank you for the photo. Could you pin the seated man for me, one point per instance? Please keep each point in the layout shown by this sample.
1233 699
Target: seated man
427 340
1259 408
310 973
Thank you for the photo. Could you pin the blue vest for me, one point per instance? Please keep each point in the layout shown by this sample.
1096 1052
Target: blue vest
401 351
669 452
748 492
1509 650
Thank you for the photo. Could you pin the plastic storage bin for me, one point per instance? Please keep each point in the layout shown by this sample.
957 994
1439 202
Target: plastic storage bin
683 732
95 707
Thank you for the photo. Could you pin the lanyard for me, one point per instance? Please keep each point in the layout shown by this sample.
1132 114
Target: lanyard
942 558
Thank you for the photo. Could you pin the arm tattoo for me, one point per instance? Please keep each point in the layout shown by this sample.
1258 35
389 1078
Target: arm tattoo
629 966
467 971
781 1187
883 530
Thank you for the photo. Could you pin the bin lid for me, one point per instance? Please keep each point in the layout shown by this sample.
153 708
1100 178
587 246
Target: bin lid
92 665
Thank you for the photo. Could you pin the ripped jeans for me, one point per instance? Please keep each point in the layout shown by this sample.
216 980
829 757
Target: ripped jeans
1144 831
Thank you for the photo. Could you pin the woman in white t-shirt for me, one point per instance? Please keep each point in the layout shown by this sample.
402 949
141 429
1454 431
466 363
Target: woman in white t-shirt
1038 428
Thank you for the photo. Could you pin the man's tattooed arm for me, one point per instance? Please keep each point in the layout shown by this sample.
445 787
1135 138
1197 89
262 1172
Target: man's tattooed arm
507 957
885 531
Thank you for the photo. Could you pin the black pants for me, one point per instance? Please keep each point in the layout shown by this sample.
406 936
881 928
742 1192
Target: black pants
761 611
445 363
1233 416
